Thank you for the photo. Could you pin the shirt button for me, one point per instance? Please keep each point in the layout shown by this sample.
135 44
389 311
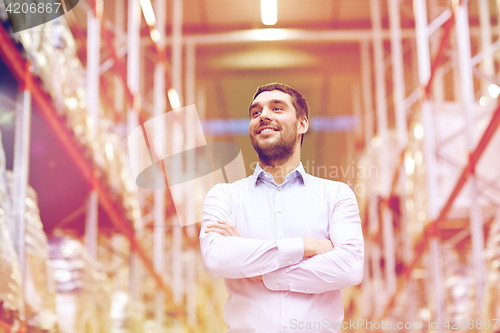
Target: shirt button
286 325
279 188
277 286
307 289
279 211
260 270
290 262
286 294
281 237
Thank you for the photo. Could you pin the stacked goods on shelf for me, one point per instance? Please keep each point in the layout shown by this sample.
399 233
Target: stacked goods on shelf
83 293
125 314
39 307
11 297
458 283
39 285
417 300
492 256
454 155
81 301
52 50
416 303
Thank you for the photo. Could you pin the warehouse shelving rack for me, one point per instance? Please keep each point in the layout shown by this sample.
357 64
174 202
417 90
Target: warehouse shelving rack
19 66
449 22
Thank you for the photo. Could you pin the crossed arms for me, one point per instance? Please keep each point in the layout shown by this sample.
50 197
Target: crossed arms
307 265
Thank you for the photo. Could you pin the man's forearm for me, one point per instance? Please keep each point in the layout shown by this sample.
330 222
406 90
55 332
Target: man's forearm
238 257
314 246
333 270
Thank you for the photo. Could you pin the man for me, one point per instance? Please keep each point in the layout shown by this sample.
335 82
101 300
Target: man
285 242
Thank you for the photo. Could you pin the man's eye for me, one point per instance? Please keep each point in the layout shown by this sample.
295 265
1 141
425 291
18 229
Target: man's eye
278 108
255 113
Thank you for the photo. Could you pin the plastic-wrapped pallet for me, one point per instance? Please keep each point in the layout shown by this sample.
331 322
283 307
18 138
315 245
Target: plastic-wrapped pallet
83 299
39 285
492 256
109 143
126 315
10 277
459 282
53 51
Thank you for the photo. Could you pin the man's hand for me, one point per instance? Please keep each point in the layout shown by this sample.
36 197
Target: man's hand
314 246
223 228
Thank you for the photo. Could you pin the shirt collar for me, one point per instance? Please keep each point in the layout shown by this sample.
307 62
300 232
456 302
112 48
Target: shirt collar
298 172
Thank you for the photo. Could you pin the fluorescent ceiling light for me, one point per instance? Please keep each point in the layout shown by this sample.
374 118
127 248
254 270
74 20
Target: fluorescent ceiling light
149 14
173 98
269 57
268 34
269 11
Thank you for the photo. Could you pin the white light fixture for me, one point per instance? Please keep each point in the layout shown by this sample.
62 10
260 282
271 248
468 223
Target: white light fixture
149 14
484 101
409 165
418 131
269 11
174 100
494 90
155 35
109 151
72 103
419 157
268 34
41 59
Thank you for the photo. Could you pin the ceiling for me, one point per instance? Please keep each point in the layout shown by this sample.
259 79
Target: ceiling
326 73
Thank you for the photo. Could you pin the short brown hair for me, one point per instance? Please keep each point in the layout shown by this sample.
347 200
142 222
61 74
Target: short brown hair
298 102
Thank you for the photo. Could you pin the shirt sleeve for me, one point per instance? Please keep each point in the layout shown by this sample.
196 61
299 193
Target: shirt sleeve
340 268
239 257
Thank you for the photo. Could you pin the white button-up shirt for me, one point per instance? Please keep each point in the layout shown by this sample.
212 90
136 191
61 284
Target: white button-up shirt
296 293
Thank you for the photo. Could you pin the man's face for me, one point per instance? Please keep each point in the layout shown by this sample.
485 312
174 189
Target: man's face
273 126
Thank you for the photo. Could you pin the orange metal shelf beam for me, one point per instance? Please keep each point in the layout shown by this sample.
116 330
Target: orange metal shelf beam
8 327
5 326
12 57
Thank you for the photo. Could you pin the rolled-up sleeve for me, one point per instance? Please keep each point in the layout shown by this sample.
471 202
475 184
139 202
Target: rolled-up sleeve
239 257
340 268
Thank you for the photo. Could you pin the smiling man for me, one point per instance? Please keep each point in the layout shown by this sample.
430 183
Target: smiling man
285 242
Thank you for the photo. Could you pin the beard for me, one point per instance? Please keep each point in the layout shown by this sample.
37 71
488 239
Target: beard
272 151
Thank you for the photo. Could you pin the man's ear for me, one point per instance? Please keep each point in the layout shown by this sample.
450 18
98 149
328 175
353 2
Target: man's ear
303 125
